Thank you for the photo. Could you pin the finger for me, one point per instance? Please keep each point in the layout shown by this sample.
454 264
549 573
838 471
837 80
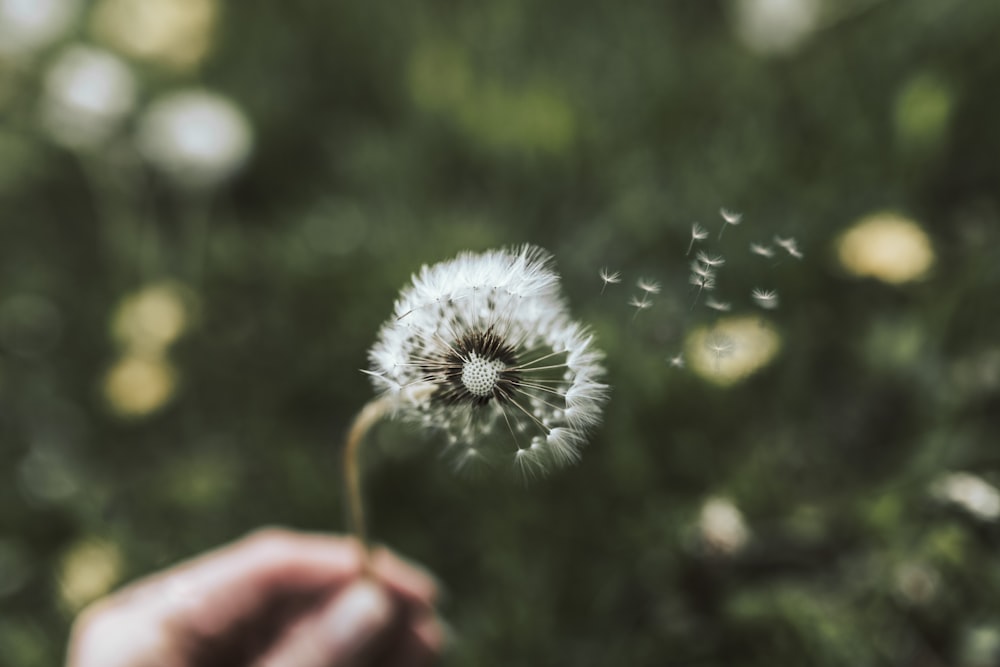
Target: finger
350 628
419 644
217 591
411 582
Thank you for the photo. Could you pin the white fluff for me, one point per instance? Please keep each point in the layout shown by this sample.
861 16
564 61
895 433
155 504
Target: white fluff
502 368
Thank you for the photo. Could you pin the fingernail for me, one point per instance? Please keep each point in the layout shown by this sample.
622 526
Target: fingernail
357 615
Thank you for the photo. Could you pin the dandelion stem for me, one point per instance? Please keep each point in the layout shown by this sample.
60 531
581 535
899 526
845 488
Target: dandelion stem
369 414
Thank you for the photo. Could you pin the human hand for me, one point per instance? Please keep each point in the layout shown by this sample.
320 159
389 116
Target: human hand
271 599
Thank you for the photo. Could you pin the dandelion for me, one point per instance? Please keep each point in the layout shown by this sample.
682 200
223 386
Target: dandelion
676 361
762 250
729 218
698 233
648 286
609 278
710 260
766 299
482 349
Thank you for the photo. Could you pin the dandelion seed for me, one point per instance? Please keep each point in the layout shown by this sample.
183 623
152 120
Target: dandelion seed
710 260
698 233
790 245
703 270
639 304
703 283
729 218
609 278
721 306
766 299
676 361
720 345
482 347
648 286
762 250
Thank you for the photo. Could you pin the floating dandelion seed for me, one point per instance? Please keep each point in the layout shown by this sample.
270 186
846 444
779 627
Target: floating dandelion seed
676 361
648 286
698 233
762 250
710 260
609 278
483 349
703 281
790 245
767 299
729 218
720 345
721 306
639 304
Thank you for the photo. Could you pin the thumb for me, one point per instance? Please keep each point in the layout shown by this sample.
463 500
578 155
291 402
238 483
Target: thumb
342 633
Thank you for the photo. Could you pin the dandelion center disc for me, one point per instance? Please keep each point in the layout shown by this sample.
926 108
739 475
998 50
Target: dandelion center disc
480 375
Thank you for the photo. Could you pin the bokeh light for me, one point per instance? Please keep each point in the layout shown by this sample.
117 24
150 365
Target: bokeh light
775 27
136 386
88 570
88 94
176 34
149 319
732 349
886 246
196 137
29 25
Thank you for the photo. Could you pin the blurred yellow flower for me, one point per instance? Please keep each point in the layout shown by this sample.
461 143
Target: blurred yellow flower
137 386
150 319
87 571
731 350
886 246
173 33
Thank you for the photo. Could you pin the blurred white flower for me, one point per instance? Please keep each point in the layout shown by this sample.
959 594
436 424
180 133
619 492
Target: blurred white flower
886 246
775 27
196 137
172 33
483 348
88 92
973 494
721 527
29 25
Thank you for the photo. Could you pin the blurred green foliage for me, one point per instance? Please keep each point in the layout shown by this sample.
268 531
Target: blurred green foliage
389 135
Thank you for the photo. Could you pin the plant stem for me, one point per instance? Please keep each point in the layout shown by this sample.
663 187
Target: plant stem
369 414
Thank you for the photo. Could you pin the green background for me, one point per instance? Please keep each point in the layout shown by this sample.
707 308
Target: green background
389 135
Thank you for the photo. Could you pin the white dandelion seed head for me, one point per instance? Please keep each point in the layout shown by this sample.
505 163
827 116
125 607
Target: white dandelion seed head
499 365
